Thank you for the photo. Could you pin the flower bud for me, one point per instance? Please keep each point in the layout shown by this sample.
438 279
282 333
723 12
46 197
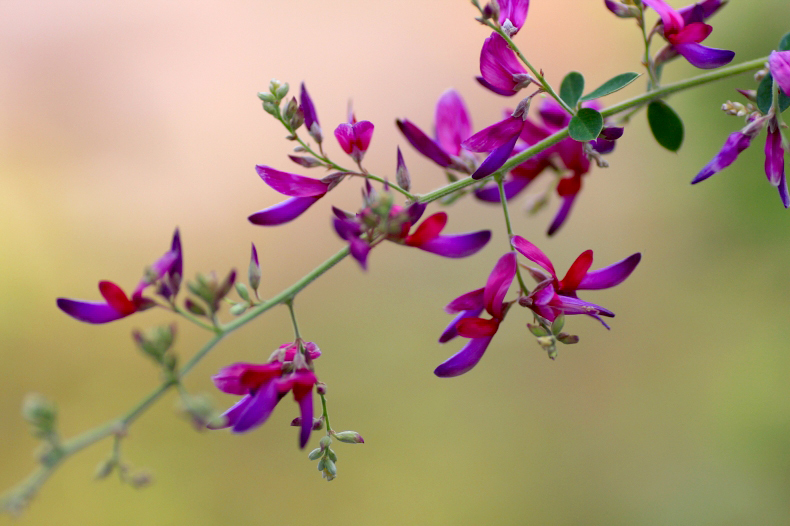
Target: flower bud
558 324
331 455
325 442
320 388
537 330
349 437
242 291
194 308
239 308
330 467
155 342
567 339
104 469
315 454
40 413
254 273
270 107
402 173
140 480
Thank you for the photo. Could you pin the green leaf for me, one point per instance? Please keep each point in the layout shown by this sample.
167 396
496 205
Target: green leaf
765 97
585 125
665 124
784 44
610 86
572 88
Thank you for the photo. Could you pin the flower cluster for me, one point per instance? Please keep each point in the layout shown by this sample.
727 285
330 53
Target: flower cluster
262 386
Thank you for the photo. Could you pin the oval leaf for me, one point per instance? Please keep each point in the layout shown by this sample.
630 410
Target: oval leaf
765 97
613 84
585 125
572 88
665 124
784 44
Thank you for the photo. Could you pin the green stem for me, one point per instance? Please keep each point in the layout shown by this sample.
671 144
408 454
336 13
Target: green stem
290 303
653 83
325 414
503 201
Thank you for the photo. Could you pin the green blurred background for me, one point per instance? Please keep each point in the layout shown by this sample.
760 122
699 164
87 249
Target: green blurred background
120 121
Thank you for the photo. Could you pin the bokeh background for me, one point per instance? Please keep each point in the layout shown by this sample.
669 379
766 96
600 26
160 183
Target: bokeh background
120 121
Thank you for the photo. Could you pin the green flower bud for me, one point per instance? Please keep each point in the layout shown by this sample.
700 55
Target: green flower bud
537 330
330 467
270 107
558 324
243 292
315 454
266 97
350 437
331 455
40 413
325 442
239 308
104 469
567 339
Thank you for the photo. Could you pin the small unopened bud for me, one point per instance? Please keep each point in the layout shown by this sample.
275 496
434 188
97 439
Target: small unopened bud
104 469
330 467
558 324
349 437
325 442
239 308
40 413
320 387
155 342
270 107
402 176
306 161
290 109
266 97
537 330
315 454
331 455
140 480
318 424
194 308
242 291
567 339
760 74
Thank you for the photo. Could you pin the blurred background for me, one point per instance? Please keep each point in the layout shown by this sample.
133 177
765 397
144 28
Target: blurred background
121 121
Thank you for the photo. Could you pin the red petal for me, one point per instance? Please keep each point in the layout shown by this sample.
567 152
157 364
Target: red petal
476 327
116 298
428 230
577 272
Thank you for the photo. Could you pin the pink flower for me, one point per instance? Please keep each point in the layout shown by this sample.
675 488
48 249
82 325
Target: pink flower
354 138
304 192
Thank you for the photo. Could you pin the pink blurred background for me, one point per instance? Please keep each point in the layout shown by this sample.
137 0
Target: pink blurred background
119 122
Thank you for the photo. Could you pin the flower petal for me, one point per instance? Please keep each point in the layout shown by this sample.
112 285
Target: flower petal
463 360
472 300
453 124
458 245
499 64
116 298
779 64
515 11
89 311
427 230
512 187
451 331
577 271
733 146
476 327
495 159
292 185
533 253
692 33
258 410
283 212
774 155
424 144
704 57
671 19
562 214
609 276
499 91
490 138
231 416
498 284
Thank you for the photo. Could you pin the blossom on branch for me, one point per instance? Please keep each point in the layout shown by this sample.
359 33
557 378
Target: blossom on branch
354 137
500 69
304 192
553 296
468 323
264 385
166 272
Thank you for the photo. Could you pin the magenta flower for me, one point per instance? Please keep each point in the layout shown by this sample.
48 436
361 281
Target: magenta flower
452 124
684 32
513 14
380 220
166 272
310 116
779 64
499 139
553 296
468 323
264 385
354 138
740 140
501 70
304 193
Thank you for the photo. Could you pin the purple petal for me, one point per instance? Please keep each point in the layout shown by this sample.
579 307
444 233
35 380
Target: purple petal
515 11
571 305
453 124
671 19
611 275
306 412
359 249
498 63
779 64
89 311
706 9
308 109
424 144
258 409
783 193
733 146
452 331
774 155
562 213
465 359
498 284
231 416
704 57
283 212
490 138
553 114
346 228
512 187
533 253
505 92
457 246
292 185
495 159
470 301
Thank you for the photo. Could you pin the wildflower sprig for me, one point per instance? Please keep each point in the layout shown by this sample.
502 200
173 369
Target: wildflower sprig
571 133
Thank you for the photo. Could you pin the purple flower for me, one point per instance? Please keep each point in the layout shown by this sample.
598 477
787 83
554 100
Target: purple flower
733 146
514 12
453 126
304 192
166 272
264 385
553 296
499 139
354 138
468 324
684 32
501 70
380 220
779 64
310 116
